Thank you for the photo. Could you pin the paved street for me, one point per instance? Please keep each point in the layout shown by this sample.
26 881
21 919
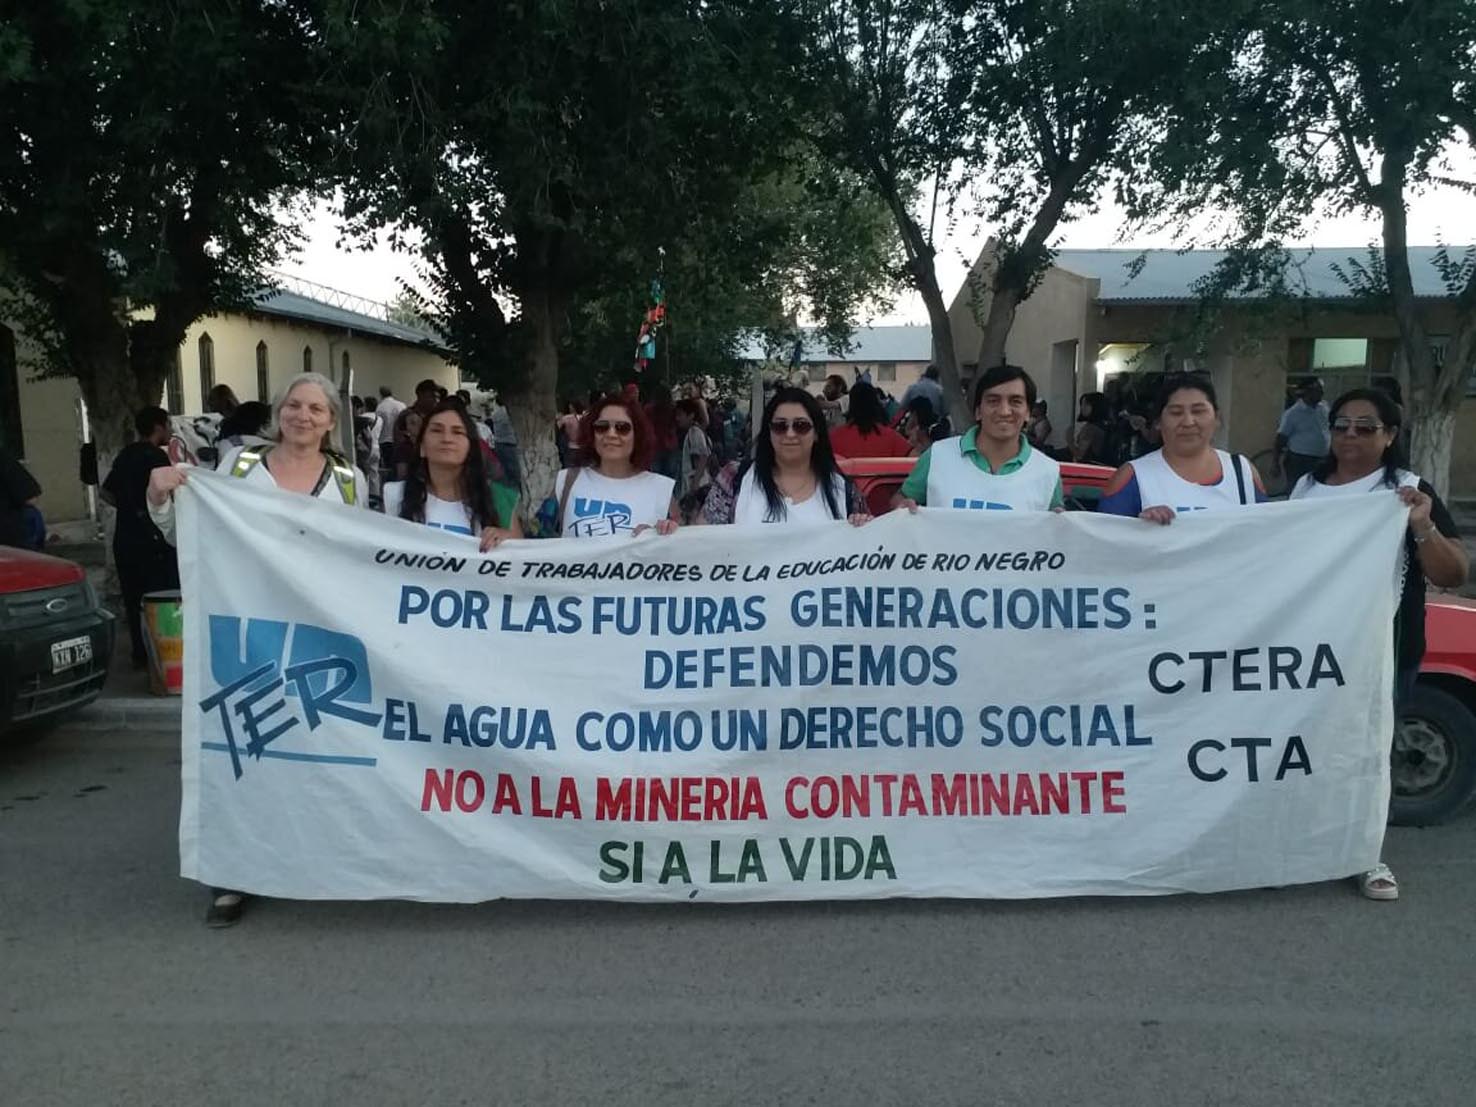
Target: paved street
113 992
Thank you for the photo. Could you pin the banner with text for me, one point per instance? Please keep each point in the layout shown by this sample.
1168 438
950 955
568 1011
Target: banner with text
956 703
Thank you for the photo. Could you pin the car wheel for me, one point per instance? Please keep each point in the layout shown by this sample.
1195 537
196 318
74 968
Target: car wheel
1433 759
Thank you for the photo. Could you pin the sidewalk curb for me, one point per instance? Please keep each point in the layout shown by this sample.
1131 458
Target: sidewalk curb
112 712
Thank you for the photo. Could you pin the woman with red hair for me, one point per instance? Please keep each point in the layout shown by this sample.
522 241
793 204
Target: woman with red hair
609 488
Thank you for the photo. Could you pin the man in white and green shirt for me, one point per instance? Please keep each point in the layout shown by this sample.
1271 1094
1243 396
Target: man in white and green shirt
991 466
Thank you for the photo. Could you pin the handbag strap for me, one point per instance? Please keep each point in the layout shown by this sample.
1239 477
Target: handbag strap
564 496
1235 460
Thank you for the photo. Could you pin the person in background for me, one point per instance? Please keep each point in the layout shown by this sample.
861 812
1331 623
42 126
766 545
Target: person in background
696 462
450 487
568 430
924 428
1039 428
865 432
610 489
18 493
693 391
661 414
389 411
221 400
1365 458
412 421
505 443
834 395
793 478
1089 443
146 562
366 445
246 426
991 466
926 387
300 462
1187 473
1302 438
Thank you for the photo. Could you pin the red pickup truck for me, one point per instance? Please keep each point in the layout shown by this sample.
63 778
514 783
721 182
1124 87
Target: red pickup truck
55 639
1433 759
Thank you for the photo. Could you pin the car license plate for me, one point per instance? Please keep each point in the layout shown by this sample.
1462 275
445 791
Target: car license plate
71 653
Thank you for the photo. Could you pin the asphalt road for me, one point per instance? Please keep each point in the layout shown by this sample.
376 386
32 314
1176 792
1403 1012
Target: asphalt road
113 992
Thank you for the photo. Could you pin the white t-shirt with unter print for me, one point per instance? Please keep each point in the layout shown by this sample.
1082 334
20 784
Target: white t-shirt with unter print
600 505
452 515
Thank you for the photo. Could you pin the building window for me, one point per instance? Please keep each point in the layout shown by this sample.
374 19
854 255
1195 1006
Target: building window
174 387
346 377
886 373
307 359
207 368
263 375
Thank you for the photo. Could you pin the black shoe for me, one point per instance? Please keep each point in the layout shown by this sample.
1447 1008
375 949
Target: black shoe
225 910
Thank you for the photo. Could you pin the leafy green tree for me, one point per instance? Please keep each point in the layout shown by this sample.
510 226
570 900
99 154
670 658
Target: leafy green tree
545 152
1337 106
1024 110
146 152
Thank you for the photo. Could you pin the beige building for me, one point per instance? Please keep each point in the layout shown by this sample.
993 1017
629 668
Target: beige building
254 352
1105 319
894 357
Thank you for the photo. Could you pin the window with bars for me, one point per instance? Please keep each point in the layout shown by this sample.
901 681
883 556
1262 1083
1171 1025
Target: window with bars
263 374
174 387
307 359
207 367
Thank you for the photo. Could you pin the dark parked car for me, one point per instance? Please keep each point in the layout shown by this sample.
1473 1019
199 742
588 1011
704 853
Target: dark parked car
55 639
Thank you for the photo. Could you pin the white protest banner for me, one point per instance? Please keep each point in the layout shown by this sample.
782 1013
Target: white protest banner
948 704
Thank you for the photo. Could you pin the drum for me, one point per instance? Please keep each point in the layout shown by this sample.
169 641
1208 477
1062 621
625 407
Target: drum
163 627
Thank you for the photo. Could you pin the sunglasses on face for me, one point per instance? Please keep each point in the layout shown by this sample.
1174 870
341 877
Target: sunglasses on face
619 427
1362 430
801 427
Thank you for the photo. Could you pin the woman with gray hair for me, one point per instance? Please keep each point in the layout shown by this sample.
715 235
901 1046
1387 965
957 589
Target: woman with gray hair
300 459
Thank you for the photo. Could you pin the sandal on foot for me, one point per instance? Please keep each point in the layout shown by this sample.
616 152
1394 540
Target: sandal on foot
1379 883
225 910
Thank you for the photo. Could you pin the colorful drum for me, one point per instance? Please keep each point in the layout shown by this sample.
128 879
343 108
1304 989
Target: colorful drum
164 640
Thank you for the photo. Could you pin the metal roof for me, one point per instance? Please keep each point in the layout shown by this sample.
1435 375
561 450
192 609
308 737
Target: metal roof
909 343
291 305
1170 275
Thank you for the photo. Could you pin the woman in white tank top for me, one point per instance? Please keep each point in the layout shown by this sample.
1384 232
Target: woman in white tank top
1187 473
793 479
1365 460
609 489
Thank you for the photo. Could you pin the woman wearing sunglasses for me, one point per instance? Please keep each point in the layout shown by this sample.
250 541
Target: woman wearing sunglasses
1365 458
609 488
793 477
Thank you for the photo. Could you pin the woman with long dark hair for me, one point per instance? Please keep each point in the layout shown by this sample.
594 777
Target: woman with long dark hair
793 477
866 433
448 486
1365 457
609 487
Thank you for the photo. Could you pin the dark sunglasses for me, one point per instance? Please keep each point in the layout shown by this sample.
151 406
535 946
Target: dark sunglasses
620 427
800 427
1362 430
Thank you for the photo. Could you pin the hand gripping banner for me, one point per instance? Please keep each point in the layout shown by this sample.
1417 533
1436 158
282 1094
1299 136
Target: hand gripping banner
947 704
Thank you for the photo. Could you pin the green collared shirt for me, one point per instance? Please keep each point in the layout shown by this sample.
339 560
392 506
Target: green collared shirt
915 487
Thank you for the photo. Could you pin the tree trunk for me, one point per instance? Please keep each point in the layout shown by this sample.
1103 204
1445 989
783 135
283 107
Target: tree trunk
1017 271
1431 432
534 406
920 264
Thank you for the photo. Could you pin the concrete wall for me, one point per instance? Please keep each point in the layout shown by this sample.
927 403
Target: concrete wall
50 408
373 361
